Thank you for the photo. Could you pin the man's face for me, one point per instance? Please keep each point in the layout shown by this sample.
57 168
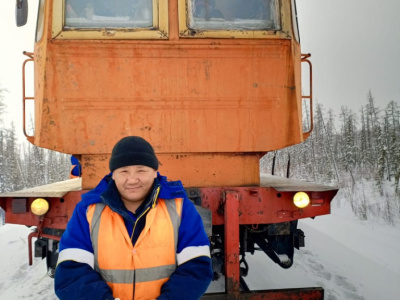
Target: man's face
134 183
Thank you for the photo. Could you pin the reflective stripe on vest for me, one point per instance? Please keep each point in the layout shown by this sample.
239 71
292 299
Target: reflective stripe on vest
135 263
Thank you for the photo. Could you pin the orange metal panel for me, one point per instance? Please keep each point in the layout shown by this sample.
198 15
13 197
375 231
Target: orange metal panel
175 96
193 169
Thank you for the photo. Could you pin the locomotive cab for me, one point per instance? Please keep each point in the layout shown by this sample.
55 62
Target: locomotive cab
213 92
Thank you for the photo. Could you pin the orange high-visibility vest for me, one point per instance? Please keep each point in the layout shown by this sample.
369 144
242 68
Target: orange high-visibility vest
135 271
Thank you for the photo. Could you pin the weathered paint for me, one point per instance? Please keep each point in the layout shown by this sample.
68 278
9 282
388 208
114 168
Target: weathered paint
218 95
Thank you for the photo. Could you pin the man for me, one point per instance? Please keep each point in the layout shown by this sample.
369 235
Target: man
135 236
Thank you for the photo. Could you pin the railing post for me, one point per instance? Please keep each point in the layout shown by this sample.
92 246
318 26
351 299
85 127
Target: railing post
305 59
30 138
232 269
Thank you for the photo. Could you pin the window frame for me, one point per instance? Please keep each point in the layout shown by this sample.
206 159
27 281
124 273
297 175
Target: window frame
295 21
186 32
158 31
40 20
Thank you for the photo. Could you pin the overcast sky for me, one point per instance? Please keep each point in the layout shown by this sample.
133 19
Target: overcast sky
355 47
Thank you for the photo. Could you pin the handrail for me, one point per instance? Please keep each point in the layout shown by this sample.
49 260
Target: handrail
304 58
24 97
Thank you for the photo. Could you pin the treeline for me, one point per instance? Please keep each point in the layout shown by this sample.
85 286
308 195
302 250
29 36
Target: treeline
360 148
23 165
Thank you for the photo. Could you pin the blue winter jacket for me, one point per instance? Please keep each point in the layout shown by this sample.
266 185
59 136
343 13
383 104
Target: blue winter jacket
76 279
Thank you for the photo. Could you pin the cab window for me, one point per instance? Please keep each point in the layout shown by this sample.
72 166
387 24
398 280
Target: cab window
108 13
233 15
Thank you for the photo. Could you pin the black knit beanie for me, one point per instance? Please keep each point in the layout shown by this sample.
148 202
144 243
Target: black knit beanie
133 150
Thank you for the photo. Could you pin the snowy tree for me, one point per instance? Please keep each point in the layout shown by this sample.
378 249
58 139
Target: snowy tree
392 121
14 178
349 148
57 166
3 134
324 135
364 162
382 157
373 129
3 106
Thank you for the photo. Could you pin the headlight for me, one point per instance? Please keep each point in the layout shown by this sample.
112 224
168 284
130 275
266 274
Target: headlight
39 206
301 199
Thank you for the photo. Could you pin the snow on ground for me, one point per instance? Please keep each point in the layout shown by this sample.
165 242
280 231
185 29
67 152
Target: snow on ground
18 280
349 258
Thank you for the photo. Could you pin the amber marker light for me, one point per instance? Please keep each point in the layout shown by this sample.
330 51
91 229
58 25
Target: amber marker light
301 199
39 206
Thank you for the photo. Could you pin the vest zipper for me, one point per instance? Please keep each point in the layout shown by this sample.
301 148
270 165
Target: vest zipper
153 201
133 230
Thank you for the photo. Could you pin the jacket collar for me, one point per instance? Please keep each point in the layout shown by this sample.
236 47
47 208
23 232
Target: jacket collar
107 192
110 196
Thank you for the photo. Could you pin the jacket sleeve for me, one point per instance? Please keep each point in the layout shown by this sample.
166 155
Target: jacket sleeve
75 277
74 280
193 274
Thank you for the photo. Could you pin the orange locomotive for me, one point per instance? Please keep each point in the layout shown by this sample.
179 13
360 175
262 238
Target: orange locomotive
213 85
